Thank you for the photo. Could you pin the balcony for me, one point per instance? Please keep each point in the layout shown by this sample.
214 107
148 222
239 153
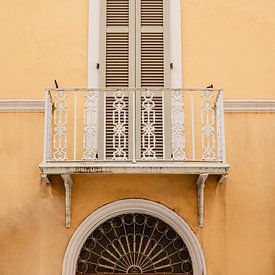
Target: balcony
134 131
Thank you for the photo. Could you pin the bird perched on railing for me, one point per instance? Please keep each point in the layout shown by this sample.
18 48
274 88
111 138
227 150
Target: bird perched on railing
56 85
210 87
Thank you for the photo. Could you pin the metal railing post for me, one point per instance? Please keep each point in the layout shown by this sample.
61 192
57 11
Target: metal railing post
75 124
47 126
104 125
193 127
220 127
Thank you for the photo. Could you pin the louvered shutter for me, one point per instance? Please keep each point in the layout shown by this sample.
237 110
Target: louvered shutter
117 71
152 43
152 68
134 54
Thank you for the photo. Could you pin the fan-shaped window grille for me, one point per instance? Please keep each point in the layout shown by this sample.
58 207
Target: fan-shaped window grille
134 243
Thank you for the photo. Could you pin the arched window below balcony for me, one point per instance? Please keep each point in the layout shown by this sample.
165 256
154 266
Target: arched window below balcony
134 243
134 236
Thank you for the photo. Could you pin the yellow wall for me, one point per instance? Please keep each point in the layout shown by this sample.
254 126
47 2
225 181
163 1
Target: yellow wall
238 237
228 43
42 41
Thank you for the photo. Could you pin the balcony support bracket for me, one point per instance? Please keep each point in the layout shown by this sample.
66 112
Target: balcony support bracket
68 183
222 178
200 189
45 179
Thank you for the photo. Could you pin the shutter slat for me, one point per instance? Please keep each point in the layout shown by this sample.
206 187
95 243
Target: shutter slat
117 59
152 60
117 13
151 12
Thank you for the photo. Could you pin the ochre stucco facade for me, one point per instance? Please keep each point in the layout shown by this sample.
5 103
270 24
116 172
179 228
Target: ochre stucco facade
228 43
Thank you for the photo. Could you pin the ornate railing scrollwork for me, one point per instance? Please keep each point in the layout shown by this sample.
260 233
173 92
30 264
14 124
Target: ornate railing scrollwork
119 126
177 115
60 126
148 121
208 126
90 126
134 125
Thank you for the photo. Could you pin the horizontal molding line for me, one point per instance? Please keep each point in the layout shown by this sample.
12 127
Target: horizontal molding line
249 106
22 106
230 106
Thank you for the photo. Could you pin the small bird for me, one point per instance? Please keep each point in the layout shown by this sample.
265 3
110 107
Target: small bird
56 85
210 87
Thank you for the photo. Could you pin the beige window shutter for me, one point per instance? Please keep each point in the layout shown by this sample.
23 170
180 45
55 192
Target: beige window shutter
117 40
152 71
134 53
152 37
117 70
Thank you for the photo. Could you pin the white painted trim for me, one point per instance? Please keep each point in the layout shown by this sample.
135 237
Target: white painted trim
22 106
129 206
249 106
94 43
175 44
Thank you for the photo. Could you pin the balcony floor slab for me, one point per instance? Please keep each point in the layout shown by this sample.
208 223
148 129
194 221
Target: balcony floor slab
58 168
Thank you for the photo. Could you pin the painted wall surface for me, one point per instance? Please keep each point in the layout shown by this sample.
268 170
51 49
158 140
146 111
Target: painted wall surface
44 40
238 237
227 43
230 44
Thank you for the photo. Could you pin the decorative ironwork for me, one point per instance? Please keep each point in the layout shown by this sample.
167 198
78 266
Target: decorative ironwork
178 135
90 126
120 127
134 243
148 121
60 126
135 125
208 126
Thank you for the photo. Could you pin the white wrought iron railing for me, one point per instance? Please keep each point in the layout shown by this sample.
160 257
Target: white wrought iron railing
134 125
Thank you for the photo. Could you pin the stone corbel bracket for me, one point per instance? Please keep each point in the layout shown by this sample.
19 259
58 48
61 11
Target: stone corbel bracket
200 189
222 178
201 180
68 183
45 179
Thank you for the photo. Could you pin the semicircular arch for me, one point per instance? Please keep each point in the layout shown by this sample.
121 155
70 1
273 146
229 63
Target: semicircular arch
129 206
